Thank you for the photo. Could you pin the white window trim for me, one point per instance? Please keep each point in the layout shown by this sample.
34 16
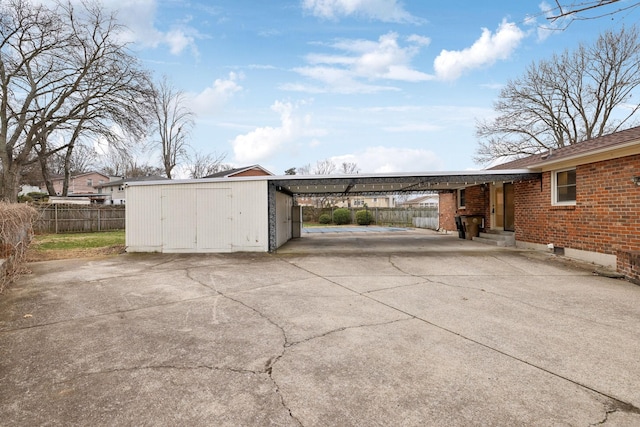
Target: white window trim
554 189
460 206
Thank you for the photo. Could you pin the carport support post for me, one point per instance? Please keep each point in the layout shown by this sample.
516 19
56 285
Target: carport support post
271 207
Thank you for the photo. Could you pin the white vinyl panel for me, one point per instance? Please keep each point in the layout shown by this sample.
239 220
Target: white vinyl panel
214 219
179 219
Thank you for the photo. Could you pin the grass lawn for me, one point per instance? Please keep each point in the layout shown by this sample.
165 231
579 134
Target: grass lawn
75 245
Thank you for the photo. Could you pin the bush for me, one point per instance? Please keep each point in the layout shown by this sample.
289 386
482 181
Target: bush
364 217
324 219
341 216
16 230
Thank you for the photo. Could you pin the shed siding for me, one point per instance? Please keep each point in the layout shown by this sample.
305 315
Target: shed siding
198 217
143 226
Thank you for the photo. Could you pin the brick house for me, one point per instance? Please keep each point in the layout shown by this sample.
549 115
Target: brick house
585 203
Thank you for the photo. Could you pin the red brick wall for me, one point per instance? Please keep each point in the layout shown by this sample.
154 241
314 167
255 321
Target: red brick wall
251 172
605 219
476 203
629 265
447 206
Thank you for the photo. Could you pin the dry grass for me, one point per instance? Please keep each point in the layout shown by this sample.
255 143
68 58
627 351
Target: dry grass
49 247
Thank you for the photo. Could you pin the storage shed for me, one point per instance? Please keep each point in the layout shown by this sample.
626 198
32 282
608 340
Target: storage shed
215 215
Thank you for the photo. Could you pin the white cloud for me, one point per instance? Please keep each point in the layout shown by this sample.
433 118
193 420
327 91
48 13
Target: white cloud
361 62
381 10
213 98
488 49
262 143
392 159
421 40
178 41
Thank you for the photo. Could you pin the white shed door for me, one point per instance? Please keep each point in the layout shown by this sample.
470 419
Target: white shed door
178 219
215 222
196 219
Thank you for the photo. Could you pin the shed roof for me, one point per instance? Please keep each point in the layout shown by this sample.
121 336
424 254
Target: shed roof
122 181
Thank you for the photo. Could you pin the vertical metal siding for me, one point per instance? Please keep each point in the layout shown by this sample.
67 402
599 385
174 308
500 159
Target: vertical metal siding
143 227
198 217
179 218
250 216
214 232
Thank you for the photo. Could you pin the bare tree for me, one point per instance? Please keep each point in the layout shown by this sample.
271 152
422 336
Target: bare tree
304 170
63 71
586 10
174 122
565 100
201 165
349 168
324 167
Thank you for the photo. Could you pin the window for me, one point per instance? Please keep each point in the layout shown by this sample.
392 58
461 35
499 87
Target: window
461 198
89 182
563 187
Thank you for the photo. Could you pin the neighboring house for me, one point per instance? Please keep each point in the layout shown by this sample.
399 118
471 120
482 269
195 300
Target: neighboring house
427 201
114 190
585 203
255 170
371 202
83 183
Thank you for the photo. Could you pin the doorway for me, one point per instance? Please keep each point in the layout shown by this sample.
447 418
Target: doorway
503 216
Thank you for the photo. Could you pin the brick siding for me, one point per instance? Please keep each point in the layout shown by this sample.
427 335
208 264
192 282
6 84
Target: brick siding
251 172
447 205
605 219
476 203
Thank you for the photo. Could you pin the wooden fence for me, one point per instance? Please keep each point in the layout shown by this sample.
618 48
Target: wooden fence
62 218
403 217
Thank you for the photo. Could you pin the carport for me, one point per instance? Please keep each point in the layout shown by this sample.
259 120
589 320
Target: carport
258 214
375 185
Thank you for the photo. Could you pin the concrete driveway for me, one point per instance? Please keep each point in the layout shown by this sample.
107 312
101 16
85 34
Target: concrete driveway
420 329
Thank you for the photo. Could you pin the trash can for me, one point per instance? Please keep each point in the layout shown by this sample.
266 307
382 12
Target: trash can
472 225
460 227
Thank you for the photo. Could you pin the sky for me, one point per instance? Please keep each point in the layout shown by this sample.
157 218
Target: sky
393 86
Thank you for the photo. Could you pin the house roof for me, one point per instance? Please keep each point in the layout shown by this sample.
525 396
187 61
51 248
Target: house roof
588 147
79 175
132 179
231 172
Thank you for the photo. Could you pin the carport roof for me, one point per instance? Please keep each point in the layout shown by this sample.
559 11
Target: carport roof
382 183
420 182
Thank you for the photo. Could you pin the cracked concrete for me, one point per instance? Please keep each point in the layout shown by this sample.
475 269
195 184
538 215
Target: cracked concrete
409 329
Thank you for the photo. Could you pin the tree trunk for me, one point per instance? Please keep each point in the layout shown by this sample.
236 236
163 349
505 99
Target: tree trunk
11 182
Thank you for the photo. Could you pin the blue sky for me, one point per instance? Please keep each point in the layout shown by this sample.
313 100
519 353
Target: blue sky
394 86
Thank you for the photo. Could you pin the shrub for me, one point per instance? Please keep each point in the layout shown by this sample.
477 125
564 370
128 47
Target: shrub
341 216
324 219
364 217
16 230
